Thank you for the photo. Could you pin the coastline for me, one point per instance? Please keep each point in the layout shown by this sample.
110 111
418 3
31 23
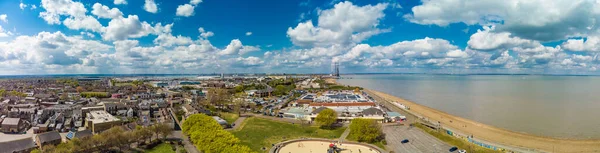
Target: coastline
493 134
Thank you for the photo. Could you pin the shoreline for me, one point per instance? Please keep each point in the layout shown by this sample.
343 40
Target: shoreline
494 134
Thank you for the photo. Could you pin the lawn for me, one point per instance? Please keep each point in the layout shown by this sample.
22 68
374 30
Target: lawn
461 144
257 133
229 117
162 148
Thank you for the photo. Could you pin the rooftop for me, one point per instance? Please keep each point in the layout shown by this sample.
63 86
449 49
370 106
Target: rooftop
11 121
100 117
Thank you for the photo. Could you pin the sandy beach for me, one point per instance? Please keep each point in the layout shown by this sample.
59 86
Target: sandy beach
494 134
497 135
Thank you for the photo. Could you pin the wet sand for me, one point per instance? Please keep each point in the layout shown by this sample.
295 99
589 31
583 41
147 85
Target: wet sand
497 135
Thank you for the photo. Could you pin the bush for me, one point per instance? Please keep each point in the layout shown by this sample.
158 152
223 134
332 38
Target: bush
365 130
209 136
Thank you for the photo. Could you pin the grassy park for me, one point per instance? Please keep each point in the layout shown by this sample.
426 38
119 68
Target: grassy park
257 133
229 117
161 148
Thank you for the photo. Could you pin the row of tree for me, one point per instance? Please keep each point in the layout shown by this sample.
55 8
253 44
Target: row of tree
113 138
208 136
12 93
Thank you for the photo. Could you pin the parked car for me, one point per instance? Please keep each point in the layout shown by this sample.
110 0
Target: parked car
462 151
404 141
453 149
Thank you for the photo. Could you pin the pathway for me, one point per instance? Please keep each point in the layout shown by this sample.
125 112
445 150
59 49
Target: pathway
344 135
187 144
237 123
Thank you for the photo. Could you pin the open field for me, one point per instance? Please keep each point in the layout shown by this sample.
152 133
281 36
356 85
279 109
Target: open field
496 135
257 132
229 117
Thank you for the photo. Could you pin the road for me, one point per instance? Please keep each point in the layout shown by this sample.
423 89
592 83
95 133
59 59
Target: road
419 141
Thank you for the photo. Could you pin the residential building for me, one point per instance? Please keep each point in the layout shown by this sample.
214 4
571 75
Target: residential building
98 121
24 145
12 125
48 138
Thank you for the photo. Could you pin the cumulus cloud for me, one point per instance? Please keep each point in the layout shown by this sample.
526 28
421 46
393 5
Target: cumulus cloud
530 19
3 18
487 40
150 6
345 23
185 10
4 33
22 6
56 8
118 2
83 23
195 2
248 33
103 11
205 34
49 49
132 27
591 44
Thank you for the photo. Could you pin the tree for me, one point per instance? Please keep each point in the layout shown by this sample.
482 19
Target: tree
365 130
326 118
218 97
163 129
79 89
200 122
209 136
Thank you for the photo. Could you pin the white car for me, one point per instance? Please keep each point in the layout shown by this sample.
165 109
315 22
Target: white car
462 151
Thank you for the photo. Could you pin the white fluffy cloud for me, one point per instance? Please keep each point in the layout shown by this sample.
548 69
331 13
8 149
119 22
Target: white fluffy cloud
83 23
340 25
49 49
195 2
22 6
132 27
56 8
118 2
185 10
150 6
4 33
3 18
530 19
103 11
591 44
248 33
204 33
236 47
486 40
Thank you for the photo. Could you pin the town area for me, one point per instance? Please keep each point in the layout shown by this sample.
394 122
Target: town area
220 113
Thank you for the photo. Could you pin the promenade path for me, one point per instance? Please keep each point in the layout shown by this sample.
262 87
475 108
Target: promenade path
520 142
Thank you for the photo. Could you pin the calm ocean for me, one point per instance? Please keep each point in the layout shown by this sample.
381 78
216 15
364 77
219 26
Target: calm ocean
554 106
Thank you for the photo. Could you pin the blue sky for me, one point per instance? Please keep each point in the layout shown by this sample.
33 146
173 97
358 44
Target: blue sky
298 36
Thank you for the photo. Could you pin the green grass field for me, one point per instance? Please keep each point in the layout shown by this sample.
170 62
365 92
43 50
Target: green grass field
229 117
162 148
257 133
461 144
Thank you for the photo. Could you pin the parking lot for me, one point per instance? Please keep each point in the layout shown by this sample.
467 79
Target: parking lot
419 141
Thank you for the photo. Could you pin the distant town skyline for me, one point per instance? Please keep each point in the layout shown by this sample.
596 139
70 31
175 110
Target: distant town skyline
298 36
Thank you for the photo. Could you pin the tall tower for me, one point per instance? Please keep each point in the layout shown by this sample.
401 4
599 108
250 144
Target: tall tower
335 72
